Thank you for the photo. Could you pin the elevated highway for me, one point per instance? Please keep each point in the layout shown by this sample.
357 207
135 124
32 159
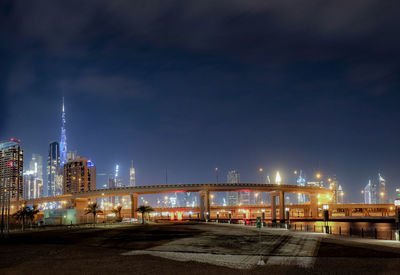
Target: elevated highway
80 200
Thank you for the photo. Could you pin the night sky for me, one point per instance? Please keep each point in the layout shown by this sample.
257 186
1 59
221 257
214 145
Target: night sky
194 85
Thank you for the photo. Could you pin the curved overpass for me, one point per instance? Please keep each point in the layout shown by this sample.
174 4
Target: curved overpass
80 199
205 187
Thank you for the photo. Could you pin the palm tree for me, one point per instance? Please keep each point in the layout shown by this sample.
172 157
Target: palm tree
21 214
94 209
32 213
117 212
144 209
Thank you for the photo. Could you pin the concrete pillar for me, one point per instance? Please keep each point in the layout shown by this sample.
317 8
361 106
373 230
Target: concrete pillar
204 204
314 206
134 205
282 206
273 208
80 203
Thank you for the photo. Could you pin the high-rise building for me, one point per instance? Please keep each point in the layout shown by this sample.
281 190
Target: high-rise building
54 171
301 181
371 193
33 186
132 176
11 171
375 191
340 195
233 196
336 190
79 175
36 165
115 181
33 178
63 142
382 189
72 155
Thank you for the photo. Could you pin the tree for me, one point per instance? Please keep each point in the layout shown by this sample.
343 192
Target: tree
93 209
117 212
144 209
21 214
32 213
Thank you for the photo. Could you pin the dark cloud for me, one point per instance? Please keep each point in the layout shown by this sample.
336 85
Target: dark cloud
290 83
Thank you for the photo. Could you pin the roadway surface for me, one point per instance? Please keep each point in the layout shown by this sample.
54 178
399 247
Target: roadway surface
191 249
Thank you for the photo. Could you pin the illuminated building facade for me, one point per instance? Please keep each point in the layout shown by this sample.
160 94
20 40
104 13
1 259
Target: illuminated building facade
63 142
79 175
33 186
33 178
301 181
233 196
132 176
375 191
382 189
54 171
11 171
340 195
371 193
115 181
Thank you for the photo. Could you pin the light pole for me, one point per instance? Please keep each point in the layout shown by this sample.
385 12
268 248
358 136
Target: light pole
216 173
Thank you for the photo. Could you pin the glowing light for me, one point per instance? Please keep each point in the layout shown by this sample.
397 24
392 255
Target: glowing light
260 170
278 178
295 172
318 175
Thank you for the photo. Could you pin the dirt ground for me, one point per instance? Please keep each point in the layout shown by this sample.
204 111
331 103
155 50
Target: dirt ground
107 251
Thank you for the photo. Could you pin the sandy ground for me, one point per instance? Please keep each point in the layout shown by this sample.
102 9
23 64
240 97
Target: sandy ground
189 249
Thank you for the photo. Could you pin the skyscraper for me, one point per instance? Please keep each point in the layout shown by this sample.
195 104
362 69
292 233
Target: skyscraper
382 189
233 196
54 187
301 181
63 142
33 178
11 171
375 191
36 165
132 176
79 175
371 193
11 179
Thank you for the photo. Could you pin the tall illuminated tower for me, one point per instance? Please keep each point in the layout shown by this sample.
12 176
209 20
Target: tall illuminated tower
132 177
63 143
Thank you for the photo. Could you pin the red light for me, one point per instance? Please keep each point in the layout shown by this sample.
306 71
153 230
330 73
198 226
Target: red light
12 139
11 164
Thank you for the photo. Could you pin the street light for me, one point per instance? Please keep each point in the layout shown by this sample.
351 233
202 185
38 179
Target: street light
216 173
318 175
